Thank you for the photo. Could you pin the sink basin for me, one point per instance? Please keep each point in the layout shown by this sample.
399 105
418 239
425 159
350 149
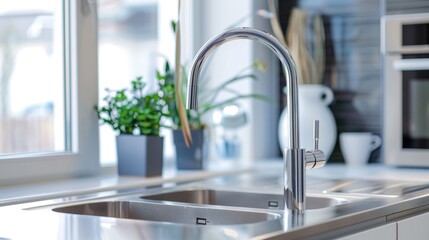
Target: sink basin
167 213
240 199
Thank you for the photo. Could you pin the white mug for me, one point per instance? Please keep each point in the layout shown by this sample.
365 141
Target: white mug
357 146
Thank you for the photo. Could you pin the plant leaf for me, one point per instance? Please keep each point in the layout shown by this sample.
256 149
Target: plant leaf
173 26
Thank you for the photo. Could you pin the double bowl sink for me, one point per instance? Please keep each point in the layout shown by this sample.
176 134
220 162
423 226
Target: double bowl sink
189 211
197 206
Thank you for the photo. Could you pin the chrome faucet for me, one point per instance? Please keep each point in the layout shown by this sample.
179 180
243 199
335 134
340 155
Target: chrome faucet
296 160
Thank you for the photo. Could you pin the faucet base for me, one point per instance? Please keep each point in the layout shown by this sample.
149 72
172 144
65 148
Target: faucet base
294 190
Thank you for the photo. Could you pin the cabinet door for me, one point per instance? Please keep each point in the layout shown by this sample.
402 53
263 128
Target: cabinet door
415 228
385 232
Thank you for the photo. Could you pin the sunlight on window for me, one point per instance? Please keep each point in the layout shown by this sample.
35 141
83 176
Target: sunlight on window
31 77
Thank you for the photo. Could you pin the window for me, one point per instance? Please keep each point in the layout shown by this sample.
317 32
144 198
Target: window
48 89
29 60
49 71
49 53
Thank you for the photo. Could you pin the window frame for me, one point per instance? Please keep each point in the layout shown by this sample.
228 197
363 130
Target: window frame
81 80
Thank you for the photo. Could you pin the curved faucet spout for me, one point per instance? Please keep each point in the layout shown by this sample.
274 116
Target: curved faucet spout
294 157
276 46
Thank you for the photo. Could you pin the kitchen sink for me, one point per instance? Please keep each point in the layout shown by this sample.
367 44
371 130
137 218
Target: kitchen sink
168 213
240 199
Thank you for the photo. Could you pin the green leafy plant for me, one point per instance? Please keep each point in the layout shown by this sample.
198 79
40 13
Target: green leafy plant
130 111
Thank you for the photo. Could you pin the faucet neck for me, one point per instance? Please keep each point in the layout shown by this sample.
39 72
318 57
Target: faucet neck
277 47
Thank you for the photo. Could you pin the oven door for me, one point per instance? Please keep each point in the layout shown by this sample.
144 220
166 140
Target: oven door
406 110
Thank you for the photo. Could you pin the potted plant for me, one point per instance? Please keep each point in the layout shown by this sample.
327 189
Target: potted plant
137 119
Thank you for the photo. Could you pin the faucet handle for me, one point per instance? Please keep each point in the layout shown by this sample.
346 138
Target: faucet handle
315 158
316 134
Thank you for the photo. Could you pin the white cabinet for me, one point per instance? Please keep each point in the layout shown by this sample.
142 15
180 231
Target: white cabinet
414 228
385 232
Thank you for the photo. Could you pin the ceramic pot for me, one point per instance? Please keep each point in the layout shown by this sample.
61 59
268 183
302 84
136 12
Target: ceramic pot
313 105
139 155
190 158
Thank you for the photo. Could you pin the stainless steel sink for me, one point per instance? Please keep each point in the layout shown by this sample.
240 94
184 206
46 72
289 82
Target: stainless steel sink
168 213
240 199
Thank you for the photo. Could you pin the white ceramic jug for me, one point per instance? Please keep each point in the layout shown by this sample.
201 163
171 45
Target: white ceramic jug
313 105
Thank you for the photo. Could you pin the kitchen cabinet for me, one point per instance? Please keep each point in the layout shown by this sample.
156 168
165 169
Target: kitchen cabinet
415 228
385 232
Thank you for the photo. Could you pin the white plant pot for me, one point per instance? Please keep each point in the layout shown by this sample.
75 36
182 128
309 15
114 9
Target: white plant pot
313 105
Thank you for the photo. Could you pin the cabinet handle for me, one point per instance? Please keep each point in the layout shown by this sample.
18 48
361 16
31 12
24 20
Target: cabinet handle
411 64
